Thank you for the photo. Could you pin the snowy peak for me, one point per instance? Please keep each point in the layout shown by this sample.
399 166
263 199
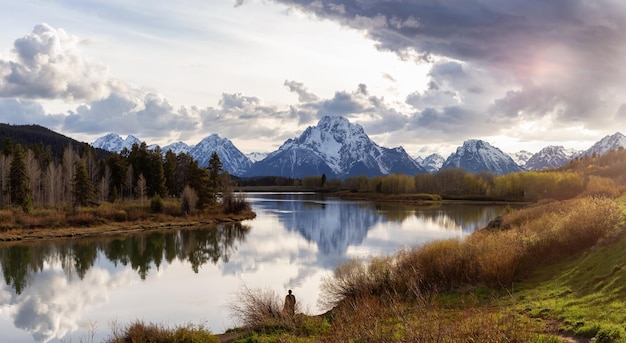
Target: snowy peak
257 156
606 144
432 163
233 160
550 157
177 148
337 148
521 157
477 156
114 142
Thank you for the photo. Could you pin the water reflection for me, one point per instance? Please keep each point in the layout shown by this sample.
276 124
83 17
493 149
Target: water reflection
336 225
141 252
53 290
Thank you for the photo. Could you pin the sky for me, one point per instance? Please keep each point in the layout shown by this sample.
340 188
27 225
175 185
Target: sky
422 74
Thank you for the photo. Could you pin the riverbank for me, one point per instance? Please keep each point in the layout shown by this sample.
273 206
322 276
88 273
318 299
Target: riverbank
538 277
424 199
44 224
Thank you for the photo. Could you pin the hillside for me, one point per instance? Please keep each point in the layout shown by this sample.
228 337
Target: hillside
27 135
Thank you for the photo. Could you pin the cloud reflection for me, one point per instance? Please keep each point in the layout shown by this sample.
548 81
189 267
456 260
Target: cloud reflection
52 306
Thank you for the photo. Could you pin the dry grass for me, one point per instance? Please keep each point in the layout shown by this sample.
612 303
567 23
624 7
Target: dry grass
43 223
155 333
497 258
396 299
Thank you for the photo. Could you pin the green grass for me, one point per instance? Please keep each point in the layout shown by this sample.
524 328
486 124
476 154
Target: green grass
585 294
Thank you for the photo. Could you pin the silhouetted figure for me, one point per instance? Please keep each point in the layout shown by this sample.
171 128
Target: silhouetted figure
290 304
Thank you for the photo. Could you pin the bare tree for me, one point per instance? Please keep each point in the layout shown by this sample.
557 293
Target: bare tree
141 187
33 170
53 185
105 182
69 160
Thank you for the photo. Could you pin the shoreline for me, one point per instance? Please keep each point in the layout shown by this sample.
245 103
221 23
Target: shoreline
40 234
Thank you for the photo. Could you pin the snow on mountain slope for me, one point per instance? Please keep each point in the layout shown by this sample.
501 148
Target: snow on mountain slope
606 144
521 157
114 142
433 162
337 148
233 160
177 148
257 156
550 157
477 156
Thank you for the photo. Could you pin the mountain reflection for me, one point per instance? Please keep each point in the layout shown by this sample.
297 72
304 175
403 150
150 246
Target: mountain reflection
142 251
335 225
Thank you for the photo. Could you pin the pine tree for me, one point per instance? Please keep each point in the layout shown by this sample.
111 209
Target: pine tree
169 169
215 170
83 191
18 180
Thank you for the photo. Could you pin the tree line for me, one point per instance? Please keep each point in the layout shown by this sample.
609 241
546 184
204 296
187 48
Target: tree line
32 177
588 175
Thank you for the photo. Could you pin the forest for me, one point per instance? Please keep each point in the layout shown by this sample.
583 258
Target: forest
34 177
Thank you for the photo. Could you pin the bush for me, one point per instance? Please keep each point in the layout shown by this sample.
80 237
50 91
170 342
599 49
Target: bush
235 203
156 204
141 332
188 200
256 307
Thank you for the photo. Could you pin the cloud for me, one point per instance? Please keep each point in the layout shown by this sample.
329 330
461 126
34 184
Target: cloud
500 58
303 94
144 115
27 112
49 65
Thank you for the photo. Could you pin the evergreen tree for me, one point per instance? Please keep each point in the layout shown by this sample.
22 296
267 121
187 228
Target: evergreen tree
83 191
199 180
215 170
156 175
169 169
18 180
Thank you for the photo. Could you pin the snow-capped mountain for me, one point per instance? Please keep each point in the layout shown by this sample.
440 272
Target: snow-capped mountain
177 148
233 160
550 157
337 148
521 157
477 156
114 142
606 144
257 156
432 163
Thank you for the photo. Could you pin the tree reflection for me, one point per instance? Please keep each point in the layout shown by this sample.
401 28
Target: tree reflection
141 251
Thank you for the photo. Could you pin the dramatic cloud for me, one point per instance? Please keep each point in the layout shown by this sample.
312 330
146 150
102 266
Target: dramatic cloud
538 58
49 65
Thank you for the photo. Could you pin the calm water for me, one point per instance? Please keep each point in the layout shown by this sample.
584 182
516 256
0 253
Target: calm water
65 291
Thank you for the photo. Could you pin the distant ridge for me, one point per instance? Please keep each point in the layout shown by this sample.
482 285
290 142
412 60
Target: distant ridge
27 135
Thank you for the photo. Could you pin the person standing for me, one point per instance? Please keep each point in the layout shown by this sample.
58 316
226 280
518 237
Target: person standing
290 304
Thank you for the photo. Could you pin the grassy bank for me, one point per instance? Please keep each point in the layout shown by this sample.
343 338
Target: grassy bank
107 218
539 275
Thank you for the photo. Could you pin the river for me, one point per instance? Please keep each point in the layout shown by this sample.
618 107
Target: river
79 290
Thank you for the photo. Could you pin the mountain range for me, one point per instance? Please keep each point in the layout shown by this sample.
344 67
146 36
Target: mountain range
338 148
